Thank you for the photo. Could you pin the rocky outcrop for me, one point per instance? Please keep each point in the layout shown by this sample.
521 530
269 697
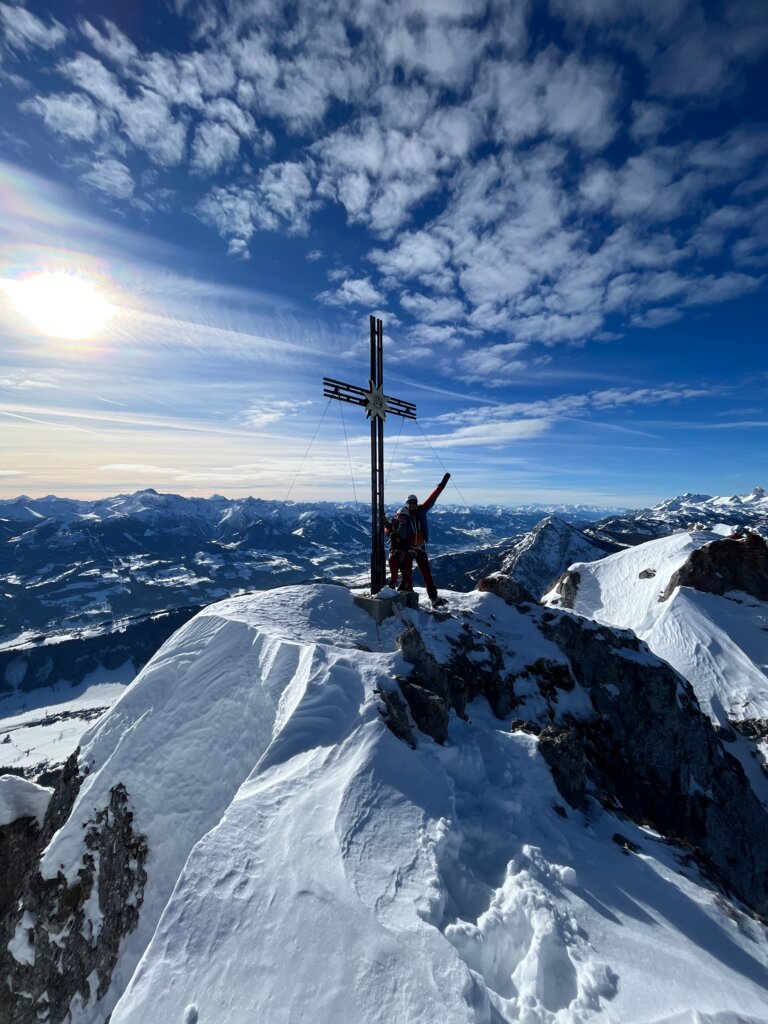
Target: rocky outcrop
567 587
739 562
506 588
654 755
18 842
642 746
59 939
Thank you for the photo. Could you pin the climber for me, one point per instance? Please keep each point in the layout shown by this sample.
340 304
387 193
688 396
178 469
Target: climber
418 535
400 558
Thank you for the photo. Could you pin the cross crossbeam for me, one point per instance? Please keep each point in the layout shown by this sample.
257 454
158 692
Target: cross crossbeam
359 396
377 406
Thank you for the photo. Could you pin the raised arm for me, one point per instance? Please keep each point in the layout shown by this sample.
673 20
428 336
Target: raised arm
427 505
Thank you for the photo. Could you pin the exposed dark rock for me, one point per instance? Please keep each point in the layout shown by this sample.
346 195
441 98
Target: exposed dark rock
627 846
506 588
646 750
18 844
565 756
567 587
739 562
550 676
430 712
62 799
395 715
522 725
647 574
50 910
752 728
476 667
652 748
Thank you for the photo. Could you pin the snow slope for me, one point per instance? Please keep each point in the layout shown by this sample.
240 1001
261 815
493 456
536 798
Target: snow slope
305 865
720 644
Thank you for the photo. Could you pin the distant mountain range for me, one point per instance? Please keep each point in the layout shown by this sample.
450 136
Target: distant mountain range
540 556
68 564
83 583
685 512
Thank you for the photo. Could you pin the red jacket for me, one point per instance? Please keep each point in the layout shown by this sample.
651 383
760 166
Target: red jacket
418 525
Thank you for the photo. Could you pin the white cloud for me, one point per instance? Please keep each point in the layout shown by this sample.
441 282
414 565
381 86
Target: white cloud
229 210
139 467
550 96
499 432
70 114
538 236
380 174
11 472
214 146
353 292
145 119
261 414
612 398
649 120
284 198
492 365
23 30
110 177
569 406
280 201
110 42
721 288
421 255
432 310
238 249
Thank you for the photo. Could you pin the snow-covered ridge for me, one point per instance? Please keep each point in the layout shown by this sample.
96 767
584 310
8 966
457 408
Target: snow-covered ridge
719 643
303 862
541 556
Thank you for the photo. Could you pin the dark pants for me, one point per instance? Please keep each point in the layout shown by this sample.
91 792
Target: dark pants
401 561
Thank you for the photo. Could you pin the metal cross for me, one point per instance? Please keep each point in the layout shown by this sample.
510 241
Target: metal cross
376 405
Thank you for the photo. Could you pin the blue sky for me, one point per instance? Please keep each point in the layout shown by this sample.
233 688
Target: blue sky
559 210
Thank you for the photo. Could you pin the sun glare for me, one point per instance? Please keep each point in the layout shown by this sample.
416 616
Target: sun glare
61 305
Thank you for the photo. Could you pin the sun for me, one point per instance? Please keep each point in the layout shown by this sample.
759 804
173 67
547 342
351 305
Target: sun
62 305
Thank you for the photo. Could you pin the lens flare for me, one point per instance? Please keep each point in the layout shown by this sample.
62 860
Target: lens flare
61 305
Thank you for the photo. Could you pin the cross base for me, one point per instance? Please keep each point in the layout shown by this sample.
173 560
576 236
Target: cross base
380 608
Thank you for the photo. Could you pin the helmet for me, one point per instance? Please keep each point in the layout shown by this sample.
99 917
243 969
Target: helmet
411 498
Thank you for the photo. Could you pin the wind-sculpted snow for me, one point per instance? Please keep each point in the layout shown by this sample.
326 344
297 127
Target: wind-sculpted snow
304 864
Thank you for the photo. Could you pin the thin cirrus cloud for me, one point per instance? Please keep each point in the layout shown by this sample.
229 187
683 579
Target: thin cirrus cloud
511 188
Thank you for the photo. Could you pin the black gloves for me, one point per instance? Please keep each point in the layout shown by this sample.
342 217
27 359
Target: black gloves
445 479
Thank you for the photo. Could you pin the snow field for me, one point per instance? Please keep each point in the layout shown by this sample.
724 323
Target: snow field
306 865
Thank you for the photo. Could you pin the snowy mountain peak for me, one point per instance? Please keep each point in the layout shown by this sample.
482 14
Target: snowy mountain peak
542 555
318 867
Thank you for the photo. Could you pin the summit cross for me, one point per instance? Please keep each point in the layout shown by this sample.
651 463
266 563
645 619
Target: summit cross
377 405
